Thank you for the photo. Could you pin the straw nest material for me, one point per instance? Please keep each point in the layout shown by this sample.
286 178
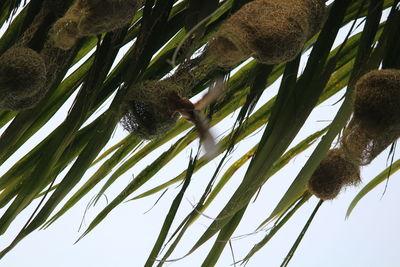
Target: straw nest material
364 147
377 100
64 32
335 171
376 120
22 78
105 15
148 109
34 63
270 31
92 17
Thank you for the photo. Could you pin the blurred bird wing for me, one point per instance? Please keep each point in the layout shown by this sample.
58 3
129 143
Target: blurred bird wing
214 92
207 139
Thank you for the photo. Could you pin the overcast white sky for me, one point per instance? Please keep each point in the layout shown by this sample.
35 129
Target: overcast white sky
369 238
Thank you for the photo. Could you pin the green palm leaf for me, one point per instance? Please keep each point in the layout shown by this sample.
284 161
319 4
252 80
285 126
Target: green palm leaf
384 175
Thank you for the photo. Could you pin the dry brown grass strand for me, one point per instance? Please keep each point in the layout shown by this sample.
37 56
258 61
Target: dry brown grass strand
270 31
334 172
22 78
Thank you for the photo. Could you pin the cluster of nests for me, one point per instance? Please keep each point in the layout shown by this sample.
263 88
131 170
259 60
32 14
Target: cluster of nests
374 126
270 31
31 66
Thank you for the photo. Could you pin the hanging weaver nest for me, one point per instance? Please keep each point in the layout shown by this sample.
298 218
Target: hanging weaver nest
377 100
64 33
335 171
270 31
148 109
376 120
105 15
33 63
363 147
39 64
92 17
22 78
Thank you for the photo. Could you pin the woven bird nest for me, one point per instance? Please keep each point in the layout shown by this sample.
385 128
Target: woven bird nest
270 31
334 172
148 111
64 32
22 78
92 17
377 100
376 120
105 15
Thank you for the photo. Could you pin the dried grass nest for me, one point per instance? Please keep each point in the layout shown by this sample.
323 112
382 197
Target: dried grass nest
148 112
270 31
33 65
92 17
105 15
334 172
22 78
376 119
377 100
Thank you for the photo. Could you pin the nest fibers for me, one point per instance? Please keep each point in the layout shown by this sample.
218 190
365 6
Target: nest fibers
334 172
152 106
92 17
148 113
376 120
270 31
33 66
22 78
